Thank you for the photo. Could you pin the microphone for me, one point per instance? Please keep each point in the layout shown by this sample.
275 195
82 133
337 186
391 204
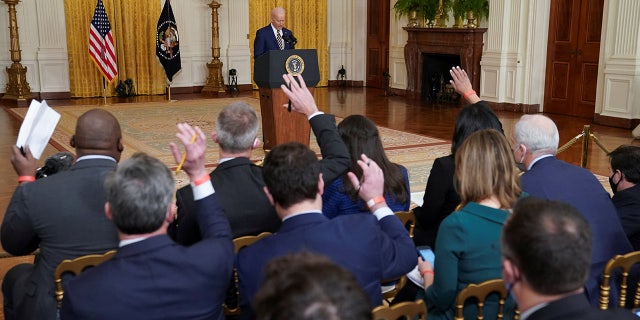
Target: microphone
61 161
290 39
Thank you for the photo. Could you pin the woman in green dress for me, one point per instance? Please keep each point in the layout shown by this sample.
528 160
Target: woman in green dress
468 241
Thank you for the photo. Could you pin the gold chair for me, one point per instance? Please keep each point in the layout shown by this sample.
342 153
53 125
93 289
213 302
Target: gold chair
390 294
625 263
239 243
409 310
408 219
75 267
481 292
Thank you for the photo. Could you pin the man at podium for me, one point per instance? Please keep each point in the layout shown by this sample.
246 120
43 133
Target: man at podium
274 36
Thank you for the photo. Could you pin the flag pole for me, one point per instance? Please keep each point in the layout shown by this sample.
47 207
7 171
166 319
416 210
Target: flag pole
104 91
169 90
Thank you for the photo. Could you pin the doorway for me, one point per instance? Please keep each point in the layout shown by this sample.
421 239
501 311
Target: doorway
377 55
572 57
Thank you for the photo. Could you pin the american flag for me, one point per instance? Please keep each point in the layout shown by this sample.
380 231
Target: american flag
101 47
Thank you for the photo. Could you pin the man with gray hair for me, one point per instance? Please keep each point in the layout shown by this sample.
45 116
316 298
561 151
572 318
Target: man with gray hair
151 277
239 181
536 143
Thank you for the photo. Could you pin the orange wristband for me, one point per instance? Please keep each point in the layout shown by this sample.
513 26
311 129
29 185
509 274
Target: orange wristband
469 93
372 202
26 178
202 180
427 271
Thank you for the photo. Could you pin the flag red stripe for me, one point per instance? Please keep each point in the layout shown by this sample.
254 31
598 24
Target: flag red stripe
102 50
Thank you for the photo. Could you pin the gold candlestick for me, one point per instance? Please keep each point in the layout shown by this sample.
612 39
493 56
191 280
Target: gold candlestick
215 82
17 87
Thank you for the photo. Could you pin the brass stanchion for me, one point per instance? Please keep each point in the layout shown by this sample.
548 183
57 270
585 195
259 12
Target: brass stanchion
586 134
585 146
17 87
215 82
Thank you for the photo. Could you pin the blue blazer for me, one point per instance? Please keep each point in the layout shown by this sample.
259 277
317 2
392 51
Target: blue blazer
550 178
265 40
373 250
336 202
159 279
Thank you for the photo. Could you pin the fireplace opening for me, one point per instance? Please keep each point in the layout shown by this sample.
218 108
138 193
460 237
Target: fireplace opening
435 77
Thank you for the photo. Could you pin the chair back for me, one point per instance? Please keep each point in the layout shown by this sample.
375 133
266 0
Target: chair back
389 292
625 263
75 267
481 292
239 243
408 310
408 219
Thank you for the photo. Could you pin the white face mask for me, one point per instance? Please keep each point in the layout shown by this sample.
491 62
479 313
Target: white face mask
520 164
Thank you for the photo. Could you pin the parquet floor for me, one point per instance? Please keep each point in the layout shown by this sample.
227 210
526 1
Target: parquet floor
395 112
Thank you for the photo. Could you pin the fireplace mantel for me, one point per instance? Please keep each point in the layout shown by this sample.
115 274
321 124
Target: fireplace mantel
467 43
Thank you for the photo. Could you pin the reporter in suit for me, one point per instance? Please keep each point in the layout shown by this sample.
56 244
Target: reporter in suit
546 250
151 277
374 247
239 181
62 214
266 37
536 143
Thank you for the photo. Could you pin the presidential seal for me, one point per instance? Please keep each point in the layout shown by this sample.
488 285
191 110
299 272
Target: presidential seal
294 65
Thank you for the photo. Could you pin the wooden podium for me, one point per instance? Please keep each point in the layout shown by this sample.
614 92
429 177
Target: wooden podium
278 124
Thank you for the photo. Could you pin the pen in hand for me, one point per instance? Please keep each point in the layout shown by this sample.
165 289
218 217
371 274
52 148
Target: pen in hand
184 155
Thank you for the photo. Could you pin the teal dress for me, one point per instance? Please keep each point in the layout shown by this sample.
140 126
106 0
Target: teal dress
467 251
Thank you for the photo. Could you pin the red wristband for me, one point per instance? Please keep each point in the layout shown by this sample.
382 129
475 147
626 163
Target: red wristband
469 93
372 202
202 180
26 178
427 271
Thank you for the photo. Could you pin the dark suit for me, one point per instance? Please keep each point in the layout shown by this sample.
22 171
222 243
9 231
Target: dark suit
266 40
373 250
553 179
627 202
63 215
239 185
440 199
157 278
576 307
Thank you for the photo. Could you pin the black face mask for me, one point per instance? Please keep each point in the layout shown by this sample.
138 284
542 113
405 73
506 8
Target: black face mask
614 186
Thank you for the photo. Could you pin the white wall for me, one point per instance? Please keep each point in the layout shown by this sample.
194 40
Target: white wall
512 66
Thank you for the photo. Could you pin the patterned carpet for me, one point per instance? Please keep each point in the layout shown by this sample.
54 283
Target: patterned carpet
149 127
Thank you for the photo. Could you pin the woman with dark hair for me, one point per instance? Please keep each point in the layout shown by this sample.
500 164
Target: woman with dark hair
361 136
440 197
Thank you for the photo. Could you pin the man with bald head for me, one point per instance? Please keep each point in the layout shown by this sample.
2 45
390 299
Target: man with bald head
62 215
536 143
274 36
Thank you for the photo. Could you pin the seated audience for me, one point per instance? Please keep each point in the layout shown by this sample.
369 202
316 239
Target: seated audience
239 181
373 247
536 143
546 252
62 215
468 243
310 286
151 277
440 196
624 177
341 197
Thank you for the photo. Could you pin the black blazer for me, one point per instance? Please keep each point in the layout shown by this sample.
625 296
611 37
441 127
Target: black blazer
576 307
239 186
63 215
440 199
627 203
